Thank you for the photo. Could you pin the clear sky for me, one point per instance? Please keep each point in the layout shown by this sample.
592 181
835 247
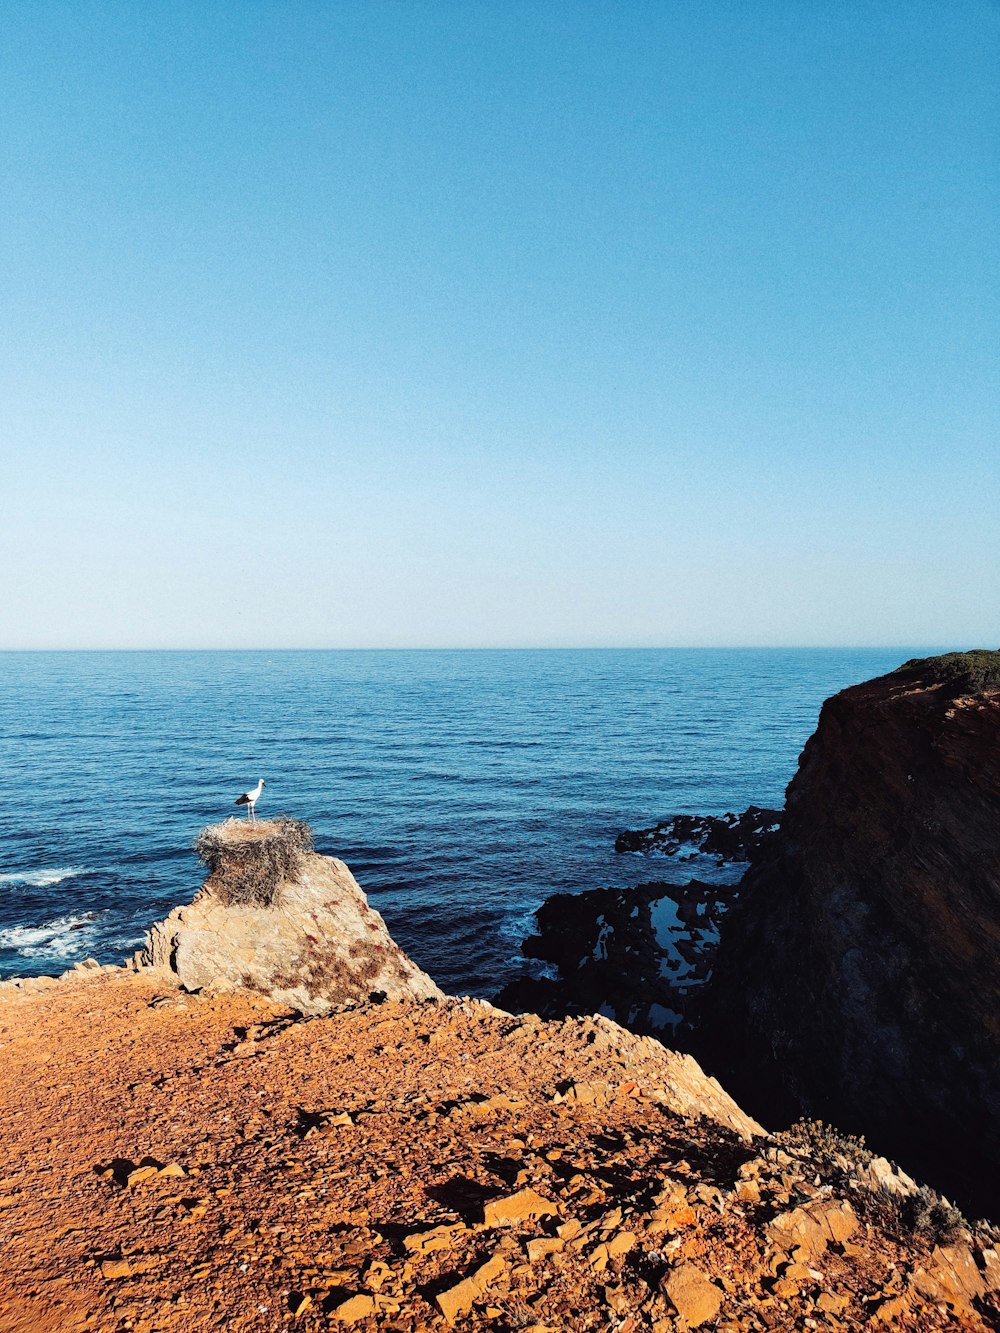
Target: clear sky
499 323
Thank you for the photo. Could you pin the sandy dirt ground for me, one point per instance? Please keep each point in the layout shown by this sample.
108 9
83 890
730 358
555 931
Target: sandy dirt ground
176 1162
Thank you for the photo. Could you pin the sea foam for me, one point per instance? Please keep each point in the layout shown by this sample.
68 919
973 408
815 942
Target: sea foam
39 879
62 937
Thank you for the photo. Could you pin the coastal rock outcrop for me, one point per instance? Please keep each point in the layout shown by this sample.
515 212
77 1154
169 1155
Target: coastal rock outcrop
729 837
859 972
639 955
642 954
276 918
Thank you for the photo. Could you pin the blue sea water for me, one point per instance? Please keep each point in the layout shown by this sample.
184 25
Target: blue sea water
461 787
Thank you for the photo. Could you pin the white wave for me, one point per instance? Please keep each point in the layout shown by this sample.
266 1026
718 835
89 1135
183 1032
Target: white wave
516 927
62 937
39 879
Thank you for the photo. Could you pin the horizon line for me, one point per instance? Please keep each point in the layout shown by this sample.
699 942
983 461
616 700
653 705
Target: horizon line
504 648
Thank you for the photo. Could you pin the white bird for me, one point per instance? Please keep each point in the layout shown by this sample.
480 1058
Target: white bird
250 798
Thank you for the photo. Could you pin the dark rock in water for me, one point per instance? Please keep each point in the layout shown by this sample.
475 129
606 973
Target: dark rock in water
859 974
729 837
636 954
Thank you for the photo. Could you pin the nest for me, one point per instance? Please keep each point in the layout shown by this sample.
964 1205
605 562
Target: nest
247 859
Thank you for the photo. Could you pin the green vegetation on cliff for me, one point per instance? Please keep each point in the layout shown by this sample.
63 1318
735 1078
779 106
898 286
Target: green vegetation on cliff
972 671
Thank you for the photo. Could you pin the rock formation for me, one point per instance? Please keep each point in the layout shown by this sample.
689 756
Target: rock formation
728 837
306 937
639 955
642 954
859 971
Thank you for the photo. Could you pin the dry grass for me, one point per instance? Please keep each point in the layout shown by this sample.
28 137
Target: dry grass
837 1157
247 860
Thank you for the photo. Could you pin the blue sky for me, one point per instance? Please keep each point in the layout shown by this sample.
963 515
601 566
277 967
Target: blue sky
418 324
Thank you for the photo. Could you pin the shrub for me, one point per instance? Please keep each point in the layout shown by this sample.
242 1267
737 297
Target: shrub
930 1215
247 860
835 1152
971 672
837 1157
924 1215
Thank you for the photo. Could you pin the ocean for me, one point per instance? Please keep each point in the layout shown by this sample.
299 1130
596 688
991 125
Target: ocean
462 787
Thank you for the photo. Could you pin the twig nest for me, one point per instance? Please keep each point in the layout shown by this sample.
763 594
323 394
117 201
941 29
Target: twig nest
247 860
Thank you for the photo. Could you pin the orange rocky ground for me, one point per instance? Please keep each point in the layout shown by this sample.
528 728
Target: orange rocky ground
184 1162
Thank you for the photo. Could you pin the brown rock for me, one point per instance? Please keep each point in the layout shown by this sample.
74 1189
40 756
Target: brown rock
318 945
485 1276
141 1174
333 1120
599 1257
458 1300
860 967
438 1238
831 1304
519 1207
888 1312
116 1268
542 1246
991 1269
500 1102
951 1275
879 1175
583 1094
620 1243
357 1307
813 1226
693 1296
376 1275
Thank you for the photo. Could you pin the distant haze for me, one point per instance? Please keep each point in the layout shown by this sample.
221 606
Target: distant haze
385 324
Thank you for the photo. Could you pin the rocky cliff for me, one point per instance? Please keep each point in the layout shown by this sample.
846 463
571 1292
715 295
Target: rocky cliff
177 1162
232 1135
859 974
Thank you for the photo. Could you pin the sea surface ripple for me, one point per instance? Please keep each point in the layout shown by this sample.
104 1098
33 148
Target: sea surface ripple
461 787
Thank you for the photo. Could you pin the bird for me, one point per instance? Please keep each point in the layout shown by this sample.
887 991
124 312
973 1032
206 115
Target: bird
250 798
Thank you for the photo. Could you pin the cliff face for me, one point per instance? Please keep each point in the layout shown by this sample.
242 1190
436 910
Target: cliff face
860 971
314 944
